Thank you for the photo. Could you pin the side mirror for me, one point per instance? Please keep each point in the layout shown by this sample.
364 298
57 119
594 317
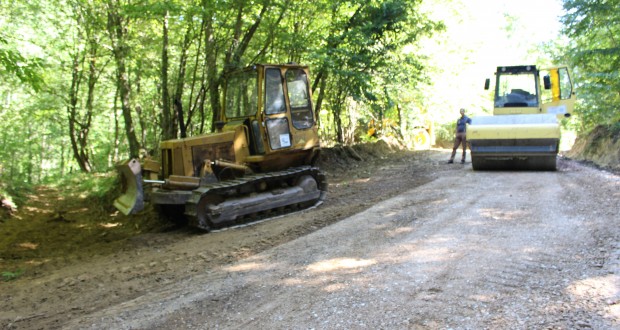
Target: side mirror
547 82
487 83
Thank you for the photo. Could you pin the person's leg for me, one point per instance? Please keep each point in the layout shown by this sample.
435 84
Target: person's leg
457 143
464 141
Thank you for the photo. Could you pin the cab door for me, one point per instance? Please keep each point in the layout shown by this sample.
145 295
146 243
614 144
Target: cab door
559 97
275 110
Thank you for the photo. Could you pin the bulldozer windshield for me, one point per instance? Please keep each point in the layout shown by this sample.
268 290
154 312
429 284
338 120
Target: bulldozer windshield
516 90
242 94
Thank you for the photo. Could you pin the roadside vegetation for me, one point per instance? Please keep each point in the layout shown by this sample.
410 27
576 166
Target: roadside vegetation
88 83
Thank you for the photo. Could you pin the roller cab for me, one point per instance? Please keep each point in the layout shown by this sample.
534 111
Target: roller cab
524 131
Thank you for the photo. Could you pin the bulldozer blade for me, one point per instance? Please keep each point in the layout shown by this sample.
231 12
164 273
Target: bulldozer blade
132 199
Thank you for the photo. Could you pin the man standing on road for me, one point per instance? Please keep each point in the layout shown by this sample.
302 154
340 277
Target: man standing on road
461 137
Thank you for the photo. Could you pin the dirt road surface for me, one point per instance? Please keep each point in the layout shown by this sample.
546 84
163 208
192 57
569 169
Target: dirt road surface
405 243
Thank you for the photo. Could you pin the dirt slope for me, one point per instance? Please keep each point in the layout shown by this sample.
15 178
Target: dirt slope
600 147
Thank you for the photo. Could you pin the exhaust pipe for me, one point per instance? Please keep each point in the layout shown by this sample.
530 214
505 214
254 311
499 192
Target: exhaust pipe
132 199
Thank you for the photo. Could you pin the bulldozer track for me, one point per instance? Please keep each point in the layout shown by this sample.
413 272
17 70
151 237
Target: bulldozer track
244 186
261 220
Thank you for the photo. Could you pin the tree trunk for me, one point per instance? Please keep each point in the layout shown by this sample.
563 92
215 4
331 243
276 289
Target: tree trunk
336 112
120 50
117 134
178 95
76 78
168 128
322 82
212 78
92 81
196 103
78 132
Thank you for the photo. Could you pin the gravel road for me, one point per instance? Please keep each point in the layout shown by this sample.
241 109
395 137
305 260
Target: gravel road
467 250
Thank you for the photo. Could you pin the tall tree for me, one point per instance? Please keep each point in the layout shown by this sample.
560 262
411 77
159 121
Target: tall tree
180 84
365 34
594 52
167 121
84 53
117 30
240 38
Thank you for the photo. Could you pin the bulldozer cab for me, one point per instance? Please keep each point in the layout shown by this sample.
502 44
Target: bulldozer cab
274 103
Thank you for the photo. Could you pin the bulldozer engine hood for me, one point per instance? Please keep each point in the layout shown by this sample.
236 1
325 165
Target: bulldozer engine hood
186 157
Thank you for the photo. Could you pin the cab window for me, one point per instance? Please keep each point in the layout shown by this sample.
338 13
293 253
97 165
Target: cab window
299 96
566 87
241 95
274 94
279 133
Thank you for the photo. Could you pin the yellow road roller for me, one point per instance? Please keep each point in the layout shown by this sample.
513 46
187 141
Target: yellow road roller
524 131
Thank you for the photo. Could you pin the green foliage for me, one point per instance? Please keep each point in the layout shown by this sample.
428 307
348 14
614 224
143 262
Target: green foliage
370 60
86 185
4 195
594 53
14 64
365 61
16 192
74 121
9 276
445 133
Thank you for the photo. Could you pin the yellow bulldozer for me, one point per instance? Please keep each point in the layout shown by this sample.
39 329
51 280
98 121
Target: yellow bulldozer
260 162
524 131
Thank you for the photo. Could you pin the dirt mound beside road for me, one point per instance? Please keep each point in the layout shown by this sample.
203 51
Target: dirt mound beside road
601 147
341 157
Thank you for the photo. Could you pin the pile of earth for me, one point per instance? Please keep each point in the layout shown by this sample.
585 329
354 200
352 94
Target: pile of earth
601 147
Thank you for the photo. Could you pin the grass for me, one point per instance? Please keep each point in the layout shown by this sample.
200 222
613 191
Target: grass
99 189
9 276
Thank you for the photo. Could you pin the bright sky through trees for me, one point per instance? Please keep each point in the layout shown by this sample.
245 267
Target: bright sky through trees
481 35
511 29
